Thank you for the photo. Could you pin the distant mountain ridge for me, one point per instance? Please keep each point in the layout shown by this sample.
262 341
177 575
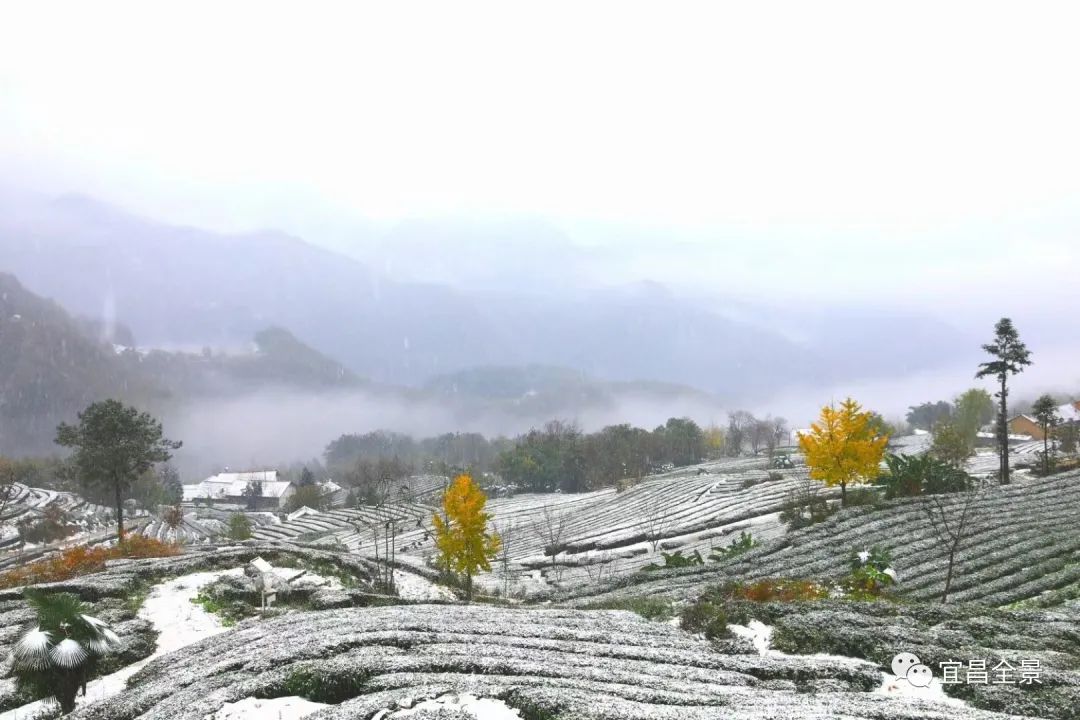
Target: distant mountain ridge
242 403
189 287
52 366
510 383
48 368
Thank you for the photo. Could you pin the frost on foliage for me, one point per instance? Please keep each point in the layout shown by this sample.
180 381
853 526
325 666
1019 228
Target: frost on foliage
585 665
32 650
68 654
1027 531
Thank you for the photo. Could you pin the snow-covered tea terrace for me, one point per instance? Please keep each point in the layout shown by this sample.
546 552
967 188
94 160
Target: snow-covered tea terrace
587 633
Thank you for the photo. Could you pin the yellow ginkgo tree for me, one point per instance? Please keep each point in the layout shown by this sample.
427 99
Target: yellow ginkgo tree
843 447
461 531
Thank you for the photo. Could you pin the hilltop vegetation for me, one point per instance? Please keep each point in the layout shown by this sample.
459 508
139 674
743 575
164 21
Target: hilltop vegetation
51 367
49 370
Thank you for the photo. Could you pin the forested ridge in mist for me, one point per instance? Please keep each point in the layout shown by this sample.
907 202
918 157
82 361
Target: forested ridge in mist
179 286
278 398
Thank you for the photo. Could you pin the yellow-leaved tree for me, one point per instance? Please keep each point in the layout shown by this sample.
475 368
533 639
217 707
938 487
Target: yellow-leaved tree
461 532
844 447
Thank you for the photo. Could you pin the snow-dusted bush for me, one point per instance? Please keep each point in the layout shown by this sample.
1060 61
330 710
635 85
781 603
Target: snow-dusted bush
871 573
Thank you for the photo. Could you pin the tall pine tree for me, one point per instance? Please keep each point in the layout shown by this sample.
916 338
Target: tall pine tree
1045 413
1010 358
114 444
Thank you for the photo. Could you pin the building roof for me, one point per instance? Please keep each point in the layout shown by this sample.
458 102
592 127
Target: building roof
233 484
1069 412
303 511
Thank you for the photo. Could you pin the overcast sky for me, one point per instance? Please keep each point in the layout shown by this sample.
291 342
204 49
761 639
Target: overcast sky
937 140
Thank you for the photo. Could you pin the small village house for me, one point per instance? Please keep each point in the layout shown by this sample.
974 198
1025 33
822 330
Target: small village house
1027 425
261 489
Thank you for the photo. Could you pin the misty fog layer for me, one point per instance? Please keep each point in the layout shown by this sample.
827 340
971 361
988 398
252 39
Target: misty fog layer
354 350
278 426
678 213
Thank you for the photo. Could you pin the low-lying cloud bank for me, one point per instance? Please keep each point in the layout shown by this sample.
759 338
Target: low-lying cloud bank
280 426
274 427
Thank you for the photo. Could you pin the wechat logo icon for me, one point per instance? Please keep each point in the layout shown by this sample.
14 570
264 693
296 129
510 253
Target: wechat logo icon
906 666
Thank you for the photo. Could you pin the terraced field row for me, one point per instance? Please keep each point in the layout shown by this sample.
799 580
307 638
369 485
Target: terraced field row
30 503
349 526
601 533
557 664
1024 541
984 462
191 531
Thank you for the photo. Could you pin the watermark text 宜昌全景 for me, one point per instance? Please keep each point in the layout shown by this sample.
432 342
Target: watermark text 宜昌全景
907 666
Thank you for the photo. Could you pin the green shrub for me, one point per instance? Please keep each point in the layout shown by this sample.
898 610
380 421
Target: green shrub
646 607
913 475
676 560
704 617
775 590
871 574
803 507
239 527
310 496
862 496
326 687
744 542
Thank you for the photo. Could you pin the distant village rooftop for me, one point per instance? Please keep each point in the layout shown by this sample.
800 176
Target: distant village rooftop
231 486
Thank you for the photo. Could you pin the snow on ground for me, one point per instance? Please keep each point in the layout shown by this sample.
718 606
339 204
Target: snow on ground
480 708
760 635
178 621
896 687
414 587
282 708
298 578
756 632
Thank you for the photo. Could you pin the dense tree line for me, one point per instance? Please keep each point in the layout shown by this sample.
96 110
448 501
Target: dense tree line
558 456
561 457
437 454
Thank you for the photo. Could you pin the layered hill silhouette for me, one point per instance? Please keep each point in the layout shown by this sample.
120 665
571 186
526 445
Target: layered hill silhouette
185 287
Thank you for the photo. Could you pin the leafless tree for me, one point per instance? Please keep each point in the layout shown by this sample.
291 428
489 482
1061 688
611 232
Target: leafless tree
385 525
173 517
657 520
550 528
804 504
739 424
759 431
506 532
605 566
952 521
776 429
7 483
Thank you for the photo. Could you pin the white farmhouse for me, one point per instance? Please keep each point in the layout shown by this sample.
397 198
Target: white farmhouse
236 488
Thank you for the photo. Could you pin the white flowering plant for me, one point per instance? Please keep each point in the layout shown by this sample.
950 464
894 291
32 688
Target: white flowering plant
59 653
